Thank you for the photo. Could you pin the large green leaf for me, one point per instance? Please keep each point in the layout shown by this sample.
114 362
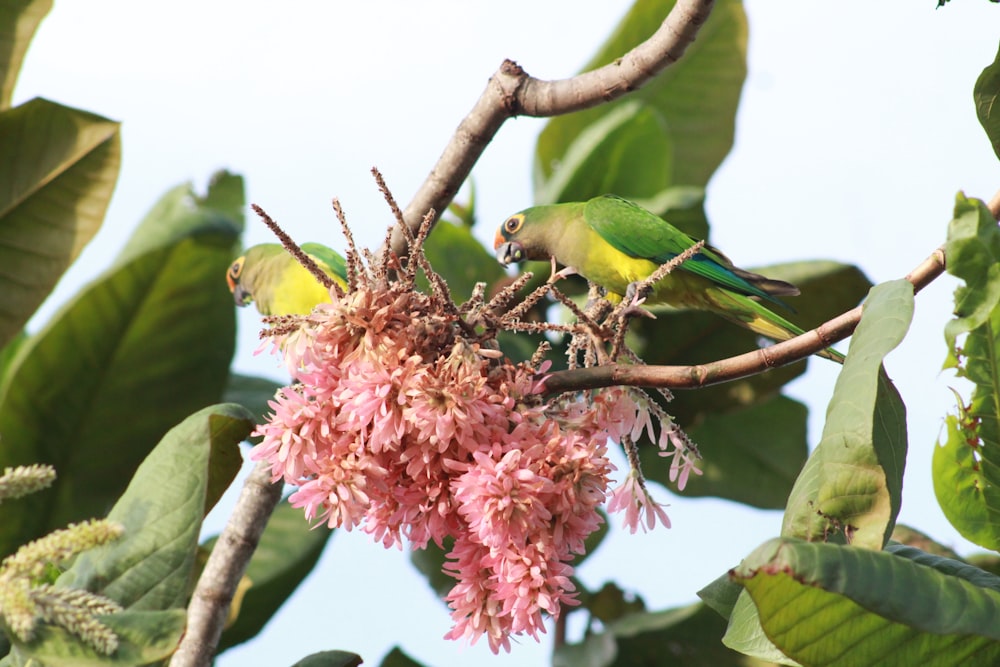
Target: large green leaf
675 130
149 570
287 553
826 604
851 486
19 20
142 347
59 167
751 455
987 96
967 464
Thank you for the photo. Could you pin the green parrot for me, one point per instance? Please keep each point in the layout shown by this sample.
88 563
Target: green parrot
615 243
268 275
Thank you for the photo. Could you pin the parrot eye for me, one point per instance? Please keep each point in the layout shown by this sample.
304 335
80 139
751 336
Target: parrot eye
513 223
233 274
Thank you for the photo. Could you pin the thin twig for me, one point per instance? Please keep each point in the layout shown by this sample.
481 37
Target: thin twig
293 248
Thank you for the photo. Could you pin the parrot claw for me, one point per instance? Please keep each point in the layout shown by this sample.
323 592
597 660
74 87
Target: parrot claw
637 297
635 310
565 272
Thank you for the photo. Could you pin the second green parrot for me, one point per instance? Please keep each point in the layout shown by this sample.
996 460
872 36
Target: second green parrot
615 243
269 276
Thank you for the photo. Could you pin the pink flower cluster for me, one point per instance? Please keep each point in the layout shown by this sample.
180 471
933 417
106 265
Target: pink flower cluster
399 424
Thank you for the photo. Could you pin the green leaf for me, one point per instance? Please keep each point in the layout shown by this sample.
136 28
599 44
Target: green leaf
181 213
330 659
824 604
721 595
687 636
397 658
149 568
675 130
851 486
966 465
973 252
19 19
430 561
139 349
59 167
253 393
751 456
745 634
287 553
145 637
456 255
9 353
987 96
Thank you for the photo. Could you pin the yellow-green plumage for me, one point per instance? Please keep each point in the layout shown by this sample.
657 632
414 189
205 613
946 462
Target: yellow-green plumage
270 277
614 243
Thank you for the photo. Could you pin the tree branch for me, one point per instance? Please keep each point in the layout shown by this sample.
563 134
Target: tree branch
225 567
512 92
744 365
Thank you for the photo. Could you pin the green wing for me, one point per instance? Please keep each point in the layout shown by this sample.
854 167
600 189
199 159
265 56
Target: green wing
336 264
638 233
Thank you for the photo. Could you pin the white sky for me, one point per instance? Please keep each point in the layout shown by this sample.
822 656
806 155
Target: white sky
855 130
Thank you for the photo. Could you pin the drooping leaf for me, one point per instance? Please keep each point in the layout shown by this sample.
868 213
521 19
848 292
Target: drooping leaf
851 486
19 19
751 455
825 604
966 465
287 553
987 96
138 350
59 167
675 130
149 568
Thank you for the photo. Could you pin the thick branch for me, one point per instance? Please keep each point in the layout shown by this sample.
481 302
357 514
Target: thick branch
226 565
744 365
512 92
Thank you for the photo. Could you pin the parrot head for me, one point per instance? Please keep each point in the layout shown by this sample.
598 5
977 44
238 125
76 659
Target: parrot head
510 245
241 295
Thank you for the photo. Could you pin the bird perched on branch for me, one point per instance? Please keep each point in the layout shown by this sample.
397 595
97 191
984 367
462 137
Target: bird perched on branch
272 278
615 243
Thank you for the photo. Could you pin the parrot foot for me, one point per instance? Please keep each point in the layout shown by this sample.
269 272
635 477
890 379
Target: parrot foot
637 297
